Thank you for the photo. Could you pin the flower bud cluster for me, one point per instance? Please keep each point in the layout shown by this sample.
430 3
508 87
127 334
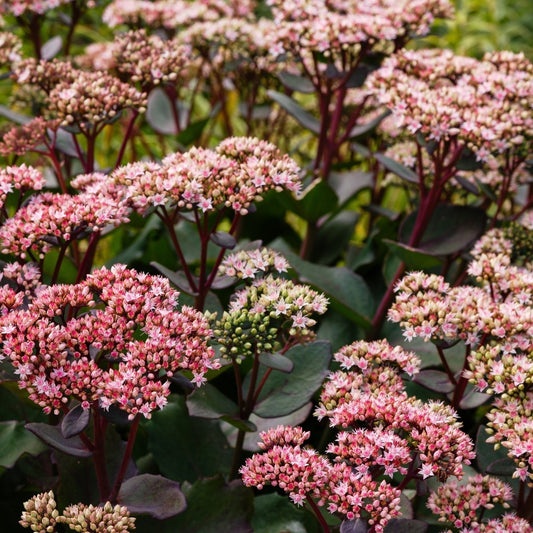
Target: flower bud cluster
510 424
246 264
41 516
100 519
150 60
19 140
266 313
25 276
172 14
305 474
10 48
506 523
463 504
109 340
22 178
233 175
42 74
51 219
445 97
91 99
40 513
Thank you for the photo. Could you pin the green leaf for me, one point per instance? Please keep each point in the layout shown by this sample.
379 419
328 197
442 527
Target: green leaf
317 200
347 184
405 525
502 467
251 438
414 258
276 361
397 168
451 229
208 402
75 421
192 132
434 380
347 291
296 83
52 436
63 142
154 495
177 278
333 237
13 116
213 506
159 113
185 447
15 441
274 513
486 454
473 398
295 110
284 393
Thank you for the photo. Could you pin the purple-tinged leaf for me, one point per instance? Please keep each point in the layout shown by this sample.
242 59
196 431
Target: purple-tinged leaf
178 278
397 168
16 441
473 399
296 83
223 239
154 495
75 421
52 436
502 467
223 282
159 113
362 129
295 110
276 361
405 525
13 116
51 48
434 380
209 402
354 526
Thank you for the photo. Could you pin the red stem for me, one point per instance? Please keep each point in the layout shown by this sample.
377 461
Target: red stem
318 514
98 456
126 138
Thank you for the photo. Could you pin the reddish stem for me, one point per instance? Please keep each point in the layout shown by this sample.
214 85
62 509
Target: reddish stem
318 514
100 426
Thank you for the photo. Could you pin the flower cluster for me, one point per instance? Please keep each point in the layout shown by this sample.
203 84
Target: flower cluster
462 505
109 340
150 60
10 48
306 475
445 97
261 316
249 263
370 395
19 7
91 99
51 219
172 14
28 137
42 74
233 175
41 515
25 277
22 178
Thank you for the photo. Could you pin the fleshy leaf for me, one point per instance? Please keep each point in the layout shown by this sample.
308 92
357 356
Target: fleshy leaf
397 168
209 402
358 131
15 441
296 83
434 380
154 495
159 112
51 48
296 111
52 436
276 361
178 278
223 239
405 525
354 526
75 421
502 467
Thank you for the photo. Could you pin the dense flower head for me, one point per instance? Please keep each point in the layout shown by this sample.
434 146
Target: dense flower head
303 473
109 340
44 74
507 522
107 518
511 426
10 48
445 97
249 263
40 513
463 504
25 277
92 98
149 60
172 14
19 7
27 137
233 175
50 219
98 56
22 178
266 313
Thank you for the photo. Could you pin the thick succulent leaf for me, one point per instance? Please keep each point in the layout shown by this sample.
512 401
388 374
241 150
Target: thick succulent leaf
75 421
15 441
276 361
285 393
358 131
295 110
486 454
52 47
159 112
223 239
397 168
405 525
296 83
52 436
434 380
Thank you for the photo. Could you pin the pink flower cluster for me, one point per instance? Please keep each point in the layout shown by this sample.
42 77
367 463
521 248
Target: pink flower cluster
249 263
22 178
233 175
10 49
172 14
306 475
462 504
19 7
112 339
32 136
51 219
445 97
370 395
